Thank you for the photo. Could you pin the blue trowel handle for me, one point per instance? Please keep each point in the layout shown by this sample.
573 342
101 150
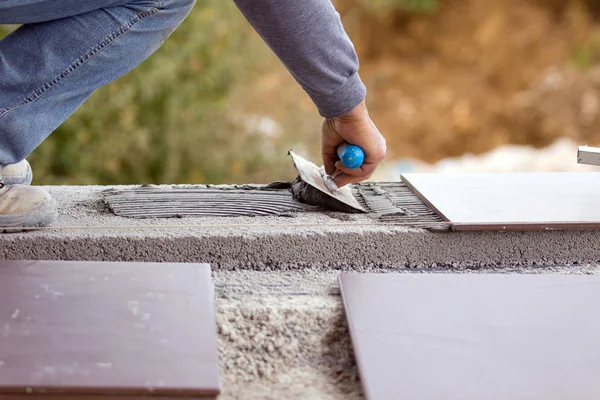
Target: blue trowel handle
351 156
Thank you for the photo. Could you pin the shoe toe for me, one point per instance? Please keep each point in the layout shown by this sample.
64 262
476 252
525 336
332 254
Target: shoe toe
17 174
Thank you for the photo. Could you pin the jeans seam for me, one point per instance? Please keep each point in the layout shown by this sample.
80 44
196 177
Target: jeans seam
39 92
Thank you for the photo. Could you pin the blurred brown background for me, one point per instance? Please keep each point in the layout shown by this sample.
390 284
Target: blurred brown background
445 78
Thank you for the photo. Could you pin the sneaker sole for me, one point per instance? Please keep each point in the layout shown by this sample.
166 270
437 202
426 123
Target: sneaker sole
41 216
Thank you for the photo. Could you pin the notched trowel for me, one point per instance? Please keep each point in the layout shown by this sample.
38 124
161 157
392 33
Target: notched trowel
314 186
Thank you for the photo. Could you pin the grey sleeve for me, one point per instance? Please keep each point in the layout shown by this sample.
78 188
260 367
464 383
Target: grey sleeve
308 37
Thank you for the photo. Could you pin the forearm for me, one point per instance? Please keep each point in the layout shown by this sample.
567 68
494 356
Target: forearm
308 37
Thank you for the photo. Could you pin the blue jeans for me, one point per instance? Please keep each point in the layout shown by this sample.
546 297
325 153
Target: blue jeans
63 51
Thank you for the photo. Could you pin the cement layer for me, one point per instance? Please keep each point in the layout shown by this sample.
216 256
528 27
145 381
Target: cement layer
322 240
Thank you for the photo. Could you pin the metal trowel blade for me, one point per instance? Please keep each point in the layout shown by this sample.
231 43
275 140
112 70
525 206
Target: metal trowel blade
315 177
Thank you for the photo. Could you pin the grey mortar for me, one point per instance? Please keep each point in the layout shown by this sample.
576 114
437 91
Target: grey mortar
381 201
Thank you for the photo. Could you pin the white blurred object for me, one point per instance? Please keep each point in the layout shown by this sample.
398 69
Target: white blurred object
262 126
560 156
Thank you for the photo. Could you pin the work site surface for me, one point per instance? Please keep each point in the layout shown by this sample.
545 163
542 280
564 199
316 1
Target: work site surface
282 331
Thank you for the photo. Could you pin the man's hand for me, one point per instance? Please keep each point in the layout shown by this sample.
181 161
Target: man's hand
355 128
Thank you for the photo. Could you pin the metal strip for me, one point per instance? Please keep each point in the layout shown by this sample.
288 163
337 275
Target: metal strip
588 155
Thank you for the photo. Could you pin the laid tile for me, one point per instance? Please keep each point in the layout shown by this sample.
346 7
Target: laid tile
107 329
498 201
475 337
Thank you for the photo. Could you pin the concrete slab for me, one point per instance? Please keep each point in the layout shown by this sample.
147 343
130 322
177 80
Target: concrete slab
87 230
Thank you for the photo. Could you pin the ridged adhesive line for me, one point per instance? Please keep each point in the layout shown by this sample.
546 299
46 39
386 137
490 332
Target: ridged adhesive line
387 202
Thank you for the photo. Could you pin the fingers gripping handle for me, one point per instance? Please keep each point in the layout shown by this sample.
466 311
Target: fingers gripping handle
350 155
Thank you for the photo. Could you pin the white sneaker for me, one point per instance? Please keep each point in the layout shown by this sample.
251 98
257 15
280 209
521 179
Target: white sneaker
23 206
17 174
